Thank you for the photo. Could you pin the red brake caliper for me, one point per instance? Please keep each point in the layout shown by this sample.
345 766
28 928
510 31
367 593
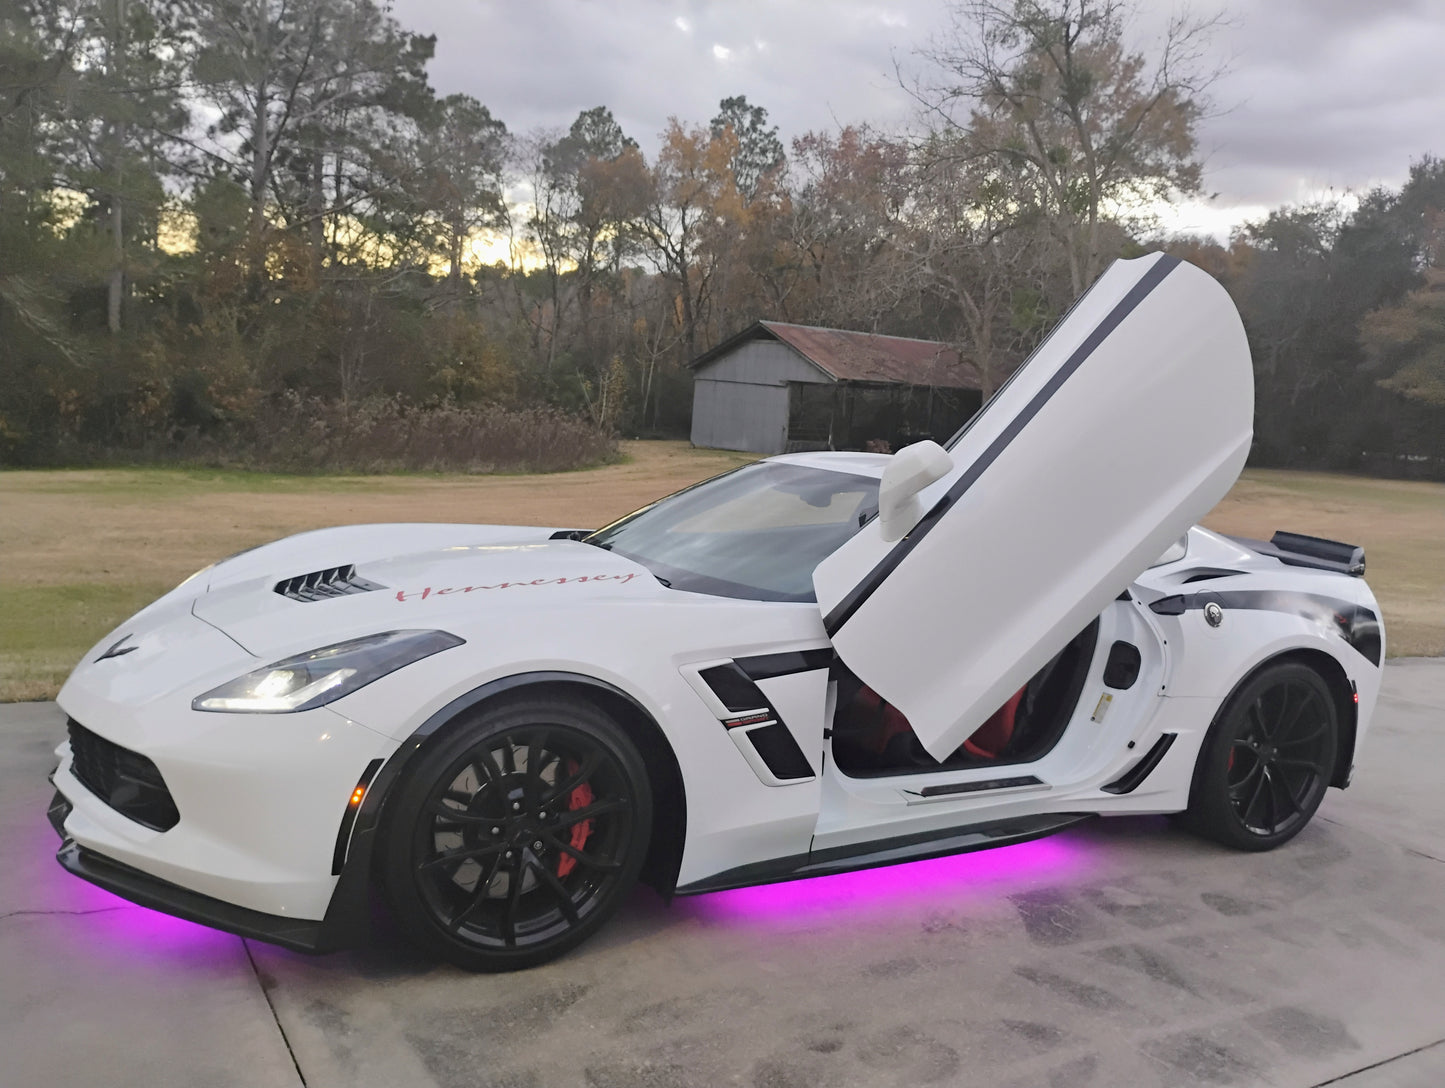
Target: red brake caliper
581 797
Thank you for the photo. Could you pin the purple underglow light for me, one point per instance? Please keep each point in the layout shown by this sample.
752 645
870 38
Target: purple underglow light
890 887
155 933
119 922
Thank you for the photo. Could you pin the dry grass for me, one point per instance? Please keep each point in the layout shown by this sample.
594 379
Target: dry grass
1401 524
81 550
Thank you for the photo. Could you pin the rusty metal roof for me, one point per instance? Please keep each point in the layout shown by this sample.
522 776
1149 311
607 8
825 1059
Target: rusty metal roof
848 356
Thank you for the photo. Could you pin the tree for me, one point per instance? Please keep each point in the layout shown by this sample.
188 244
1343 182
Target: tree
122 125
692 195
982 265
1304 278
461 151
850 192
1050 94
588 187
1409 340
758 153
1406 339
287 80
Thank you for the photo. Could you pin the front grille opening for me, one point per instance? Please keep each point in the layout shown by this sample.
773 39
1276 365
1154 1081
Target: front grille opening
322 585
126 781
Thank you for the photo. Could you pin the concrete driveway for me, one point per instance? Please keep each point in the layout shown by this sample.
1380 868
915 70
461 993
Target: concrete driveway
1120 953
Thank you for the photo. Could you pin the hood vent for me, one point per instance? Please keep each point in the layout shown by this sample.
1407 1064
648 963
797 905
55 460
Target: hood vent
322 585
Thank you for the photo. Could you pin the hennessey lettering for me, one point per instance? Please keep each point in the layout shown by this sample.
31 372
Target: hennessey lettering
423 594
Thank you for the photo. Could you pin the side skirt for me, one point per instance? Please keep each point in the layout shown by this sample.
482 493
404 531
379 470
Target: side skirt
869 855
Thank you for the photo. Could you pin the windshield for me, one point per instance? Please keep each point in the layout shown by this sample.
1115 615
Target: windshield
756 532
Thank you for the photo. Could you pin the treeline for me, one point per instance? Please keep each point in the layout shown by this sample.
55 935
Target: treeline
1345 309
250 231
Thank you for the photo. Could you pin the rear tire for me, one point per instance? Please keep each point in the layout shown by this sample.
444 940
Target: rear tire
517 836
1267 760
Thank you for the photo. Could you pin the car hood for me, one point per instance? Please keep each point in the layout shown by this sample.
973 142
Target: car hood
446 587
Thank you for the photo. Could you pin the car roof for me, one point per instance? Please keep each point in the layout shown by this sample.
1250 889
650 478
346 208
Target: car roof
859 464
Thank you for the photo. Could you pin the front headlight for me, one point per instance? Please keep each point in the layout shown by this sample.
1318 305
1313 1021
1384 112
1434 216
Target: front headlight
320 676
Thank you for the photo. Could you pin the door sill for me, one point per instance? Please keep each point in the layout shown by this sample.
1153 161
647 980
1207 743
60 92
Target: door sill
948 791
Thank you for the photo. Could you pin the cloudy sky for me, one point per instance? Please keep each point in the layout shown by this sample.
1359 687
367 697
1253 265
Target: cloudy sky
1319 94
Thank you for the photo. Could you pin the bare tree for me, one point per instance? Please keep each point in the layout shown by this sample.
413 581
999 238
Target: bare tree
1085 127
968 246
850 191
692 195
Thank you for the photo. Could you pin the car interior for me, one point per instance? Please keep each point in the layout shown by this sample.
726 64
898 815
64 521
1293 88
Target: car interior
871 737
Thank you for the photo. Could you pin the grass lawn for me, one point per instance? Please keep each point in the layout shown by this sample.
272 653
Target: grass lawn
82 549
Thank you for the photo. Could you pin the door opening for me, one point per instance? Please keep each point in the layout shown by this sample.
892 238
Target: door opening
873 738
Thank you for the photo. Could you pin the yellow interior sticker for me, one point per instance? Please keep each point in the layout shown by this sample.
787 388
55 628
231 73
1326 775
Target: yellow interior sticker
1102 708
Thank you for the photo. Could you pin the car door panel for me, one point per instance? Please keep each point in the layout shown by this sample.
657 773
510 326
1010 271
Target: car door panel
1128 424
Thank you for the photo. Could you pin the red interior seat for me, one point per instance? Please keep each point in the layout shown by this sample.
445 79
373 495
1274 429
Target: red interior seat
989 741
991 738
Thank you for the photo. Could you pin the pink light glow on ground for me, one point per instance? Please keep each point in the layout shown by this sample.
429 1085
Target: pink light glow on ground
117 922
154 933
891 886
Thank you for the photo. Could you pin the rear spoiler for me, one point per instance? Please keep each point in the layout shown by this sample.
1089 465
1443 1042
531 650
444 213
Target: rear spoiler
1299 550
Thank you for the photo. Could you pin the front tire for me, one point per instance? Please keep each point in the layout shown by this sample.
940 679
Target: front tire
519 835
1267 760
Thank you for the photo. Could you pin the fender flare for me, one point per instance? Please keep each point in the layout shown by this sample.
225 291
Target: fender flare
1335 678
348 916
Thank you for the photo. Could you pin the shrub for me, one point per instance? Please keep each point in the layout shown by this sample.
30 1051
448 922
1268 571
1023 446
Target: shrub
385 434
295 433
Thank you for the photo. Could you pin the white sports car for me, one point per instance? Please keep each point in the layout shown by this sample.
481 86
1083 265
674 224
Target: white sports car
815 663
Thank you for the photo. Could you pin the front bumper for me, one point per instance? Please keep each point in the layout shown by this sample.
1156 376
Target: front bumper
347 922
258 822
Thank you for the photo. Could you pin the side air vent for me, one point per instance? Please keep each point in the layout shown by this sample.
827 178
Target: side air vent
775 744
734 688
1131 779
1207 574
755 722
322 585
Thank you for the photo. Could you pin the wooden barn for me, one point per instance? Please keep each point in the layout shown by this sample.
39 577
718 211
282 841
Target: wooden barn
780 388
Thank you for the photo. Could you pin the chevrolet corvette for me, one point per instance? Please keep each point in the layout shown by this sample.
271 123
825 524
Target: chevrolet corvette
814 663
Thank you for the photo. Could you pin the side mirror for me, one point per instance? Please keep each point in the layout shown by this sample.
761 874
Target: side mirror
912 469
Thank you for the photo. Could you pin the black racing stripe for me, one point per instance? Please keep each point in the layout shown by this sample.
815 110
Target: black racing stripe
860 593
1357 625
767 666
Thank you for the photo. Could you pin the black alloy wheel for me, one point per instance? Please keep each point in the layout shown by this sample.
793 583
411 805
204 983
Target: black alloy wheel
1268 759
518 835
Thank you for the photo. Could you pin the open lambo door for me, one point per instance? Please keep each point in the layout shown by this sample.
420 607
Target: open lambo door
1129 422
